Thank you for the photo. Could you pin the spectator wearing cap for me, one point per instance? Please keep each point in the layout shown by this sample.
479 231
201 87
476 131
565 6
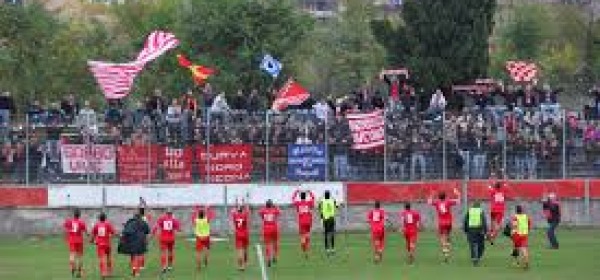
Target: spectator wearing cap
552 212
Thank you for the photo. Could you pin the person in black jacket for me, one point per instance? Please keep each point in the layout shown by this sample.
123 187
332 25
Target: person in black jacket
552 212
475 226
134 241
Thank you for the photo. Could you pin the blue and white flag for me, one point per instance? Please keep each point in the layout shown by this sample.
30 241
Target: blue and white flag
271 65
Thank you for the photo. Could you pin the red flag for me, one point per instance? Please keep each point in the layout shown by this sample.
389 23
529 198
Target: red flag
291 93
199 73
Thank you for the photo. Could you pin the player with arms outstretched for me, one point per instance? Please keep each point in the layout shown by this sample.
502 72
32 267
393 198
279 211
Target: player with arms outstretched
102 232
411 224
304 201
167 225
270 217
376 219
443 207
74 229
497 208
240 218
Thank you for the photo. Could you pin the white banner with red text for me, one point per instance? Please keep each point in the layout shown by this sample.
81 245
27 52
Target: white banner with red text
88 159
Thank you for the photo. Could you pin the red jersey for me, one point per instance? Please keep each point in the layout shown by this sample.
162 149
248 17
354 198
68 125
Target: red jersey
444 210
168 225
497 200
269 217
304 208
240 222
74 229
411 220
102 232
376 219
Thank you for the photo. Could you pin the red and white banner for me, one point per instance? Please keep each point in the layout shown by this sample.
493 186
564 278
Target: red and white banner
292 93
137 163
177 164
116 79
84 159
368 130
522 71
228 163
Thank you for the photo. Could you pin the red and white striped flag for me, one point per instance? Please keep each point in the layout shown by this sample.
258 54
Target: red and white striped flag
368 130
157 43
116 79
522 71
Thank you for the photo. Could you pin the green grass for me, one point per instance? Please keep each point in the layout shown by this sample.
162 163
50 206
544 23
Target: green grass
578 258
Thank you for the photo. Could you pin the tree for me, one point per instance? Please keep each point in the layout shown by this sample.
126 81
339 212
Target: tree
447 41
342 54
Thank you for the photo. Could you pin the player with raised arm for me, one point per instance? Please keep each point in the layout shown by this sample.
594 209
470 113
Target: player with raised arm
443 207
74 229
146 217
167 225
202 233
102 232
304 201
411 224
497 208
376 219
270 217
240 218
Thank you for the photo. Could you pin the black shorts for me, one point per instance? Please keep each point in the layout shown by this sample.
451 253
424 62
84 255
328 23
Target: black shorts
329 225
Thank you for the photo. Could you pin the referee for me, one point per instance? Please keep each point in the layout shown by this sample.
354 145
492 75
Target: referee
475 226
327 208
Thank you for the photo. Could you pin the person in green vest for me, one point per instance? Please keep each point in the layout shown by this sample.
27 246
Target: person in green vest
475 226
328 208
521 224
202 232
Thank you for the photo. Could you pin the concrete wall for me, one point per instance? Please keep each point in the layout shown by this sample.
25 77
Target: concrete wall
43 221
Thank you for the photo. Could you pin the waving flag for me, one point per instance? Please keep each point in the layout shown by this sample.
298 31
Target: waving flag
271 65
116 79
368 130
522 71
199 73
291 93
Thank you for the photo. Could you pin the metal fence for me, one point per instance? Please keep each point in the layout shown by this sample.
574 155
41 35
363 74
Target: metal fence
542 143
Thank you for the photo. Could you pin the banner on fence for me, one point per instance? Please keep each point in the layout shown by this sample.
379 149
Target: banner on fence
137 163
306 162
226 164
368 130
86 159
177 164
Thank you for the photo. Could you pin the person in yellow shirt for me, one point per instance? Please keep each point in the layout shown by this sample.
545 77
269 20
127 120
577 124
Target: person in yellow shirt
521 224
202 232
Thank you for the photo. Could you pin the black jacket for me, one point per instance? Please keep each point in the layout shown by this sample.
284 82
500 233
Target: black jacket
552 210
133 240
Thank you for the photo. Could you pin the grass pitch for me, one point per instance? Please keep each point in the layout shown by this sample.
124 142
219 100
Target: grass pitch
578 258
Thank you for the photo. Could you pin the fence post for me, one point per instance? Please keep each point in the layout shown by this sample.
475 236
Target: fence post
208 155
385 155
27 145
327 165
465 195
444 153
586 201
504 153
267 128
564 144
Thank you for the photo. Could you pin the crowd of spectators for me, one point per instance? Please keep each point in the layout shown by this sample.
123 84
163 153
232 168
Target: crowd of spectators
522 133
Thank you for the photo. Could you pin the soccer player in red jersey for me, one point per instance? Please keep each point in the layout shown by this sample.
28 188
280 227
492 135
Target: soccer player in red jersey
102 232
270 216
411 221
74 229
168 225
376 219
497 207
443 207
305 204
240 218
